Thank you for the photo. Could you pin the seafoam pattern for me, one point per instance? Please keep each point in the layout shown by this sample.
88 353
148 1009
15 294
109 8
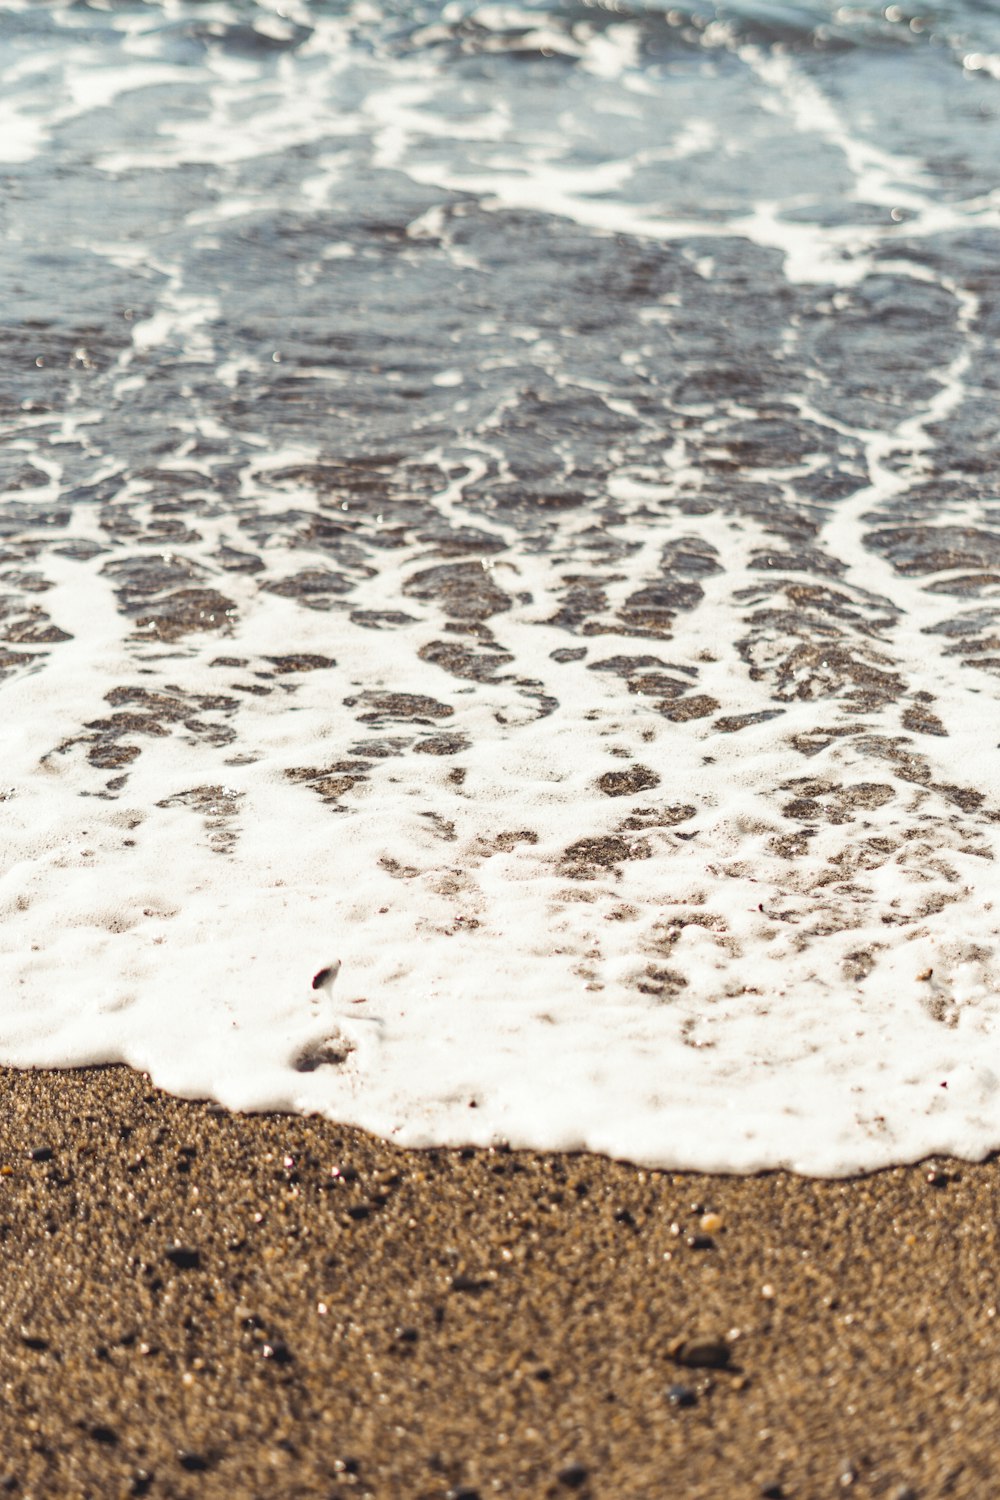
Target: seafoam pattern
506 499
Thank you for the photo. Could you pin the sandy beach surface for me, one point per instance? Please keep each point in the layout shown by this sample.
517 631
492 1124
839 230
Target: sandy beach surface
499 504
201 1304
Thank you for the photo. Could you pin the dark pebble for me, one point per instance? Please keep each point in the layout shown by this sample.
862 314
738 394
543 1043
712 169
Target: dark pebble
407 1335
681 1395
106 1435
277 1350
937 1178
195 1463
462 1283
623 1216
573 1476
772 1492
700 1242
359 1211
463 1493
701 1354
184 1257
41 1153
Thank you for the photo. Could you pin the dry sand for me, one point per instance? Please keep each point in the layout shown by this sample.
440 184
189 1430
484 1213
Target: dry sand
197 1304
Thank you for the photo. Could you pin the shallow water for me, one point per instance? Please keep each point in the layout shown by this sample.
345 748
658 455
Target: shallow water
505 498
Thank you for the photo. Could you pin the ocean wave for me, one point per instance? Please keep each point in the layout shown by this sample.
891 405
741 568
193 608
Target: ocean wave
537 29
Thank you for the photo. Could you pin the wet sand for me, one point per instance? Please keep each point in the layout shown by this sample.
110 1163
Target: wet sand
201 1304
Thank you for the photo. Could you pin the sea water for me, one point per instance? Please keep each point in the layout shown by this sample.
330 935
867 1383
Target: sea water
502 499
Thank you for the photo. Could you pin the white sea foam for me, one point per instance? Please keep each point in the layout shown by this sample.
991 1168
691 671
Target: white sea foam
480 977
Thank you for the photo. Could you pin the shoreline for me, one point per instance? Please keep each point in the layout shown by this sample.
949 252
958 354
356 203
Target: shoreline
199 1304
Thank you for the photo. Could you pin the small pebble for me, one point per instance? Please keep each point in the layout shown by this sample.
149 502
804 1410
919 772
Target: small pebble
460 1282
195 1463
699 1354
711 1223
184 1257
573 1476
325 978
41 1153
700 1242
681 1395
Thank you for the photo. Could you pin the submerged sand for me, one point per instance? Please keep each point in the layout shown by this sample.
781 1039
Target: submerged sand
194 1303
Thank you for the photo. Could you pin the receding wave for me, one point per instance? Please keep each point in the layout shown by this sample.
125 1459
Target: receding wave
499 562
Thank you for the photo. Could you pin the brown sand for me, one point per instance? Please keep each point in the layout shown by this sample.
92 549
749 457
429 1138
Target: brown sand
196 1304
